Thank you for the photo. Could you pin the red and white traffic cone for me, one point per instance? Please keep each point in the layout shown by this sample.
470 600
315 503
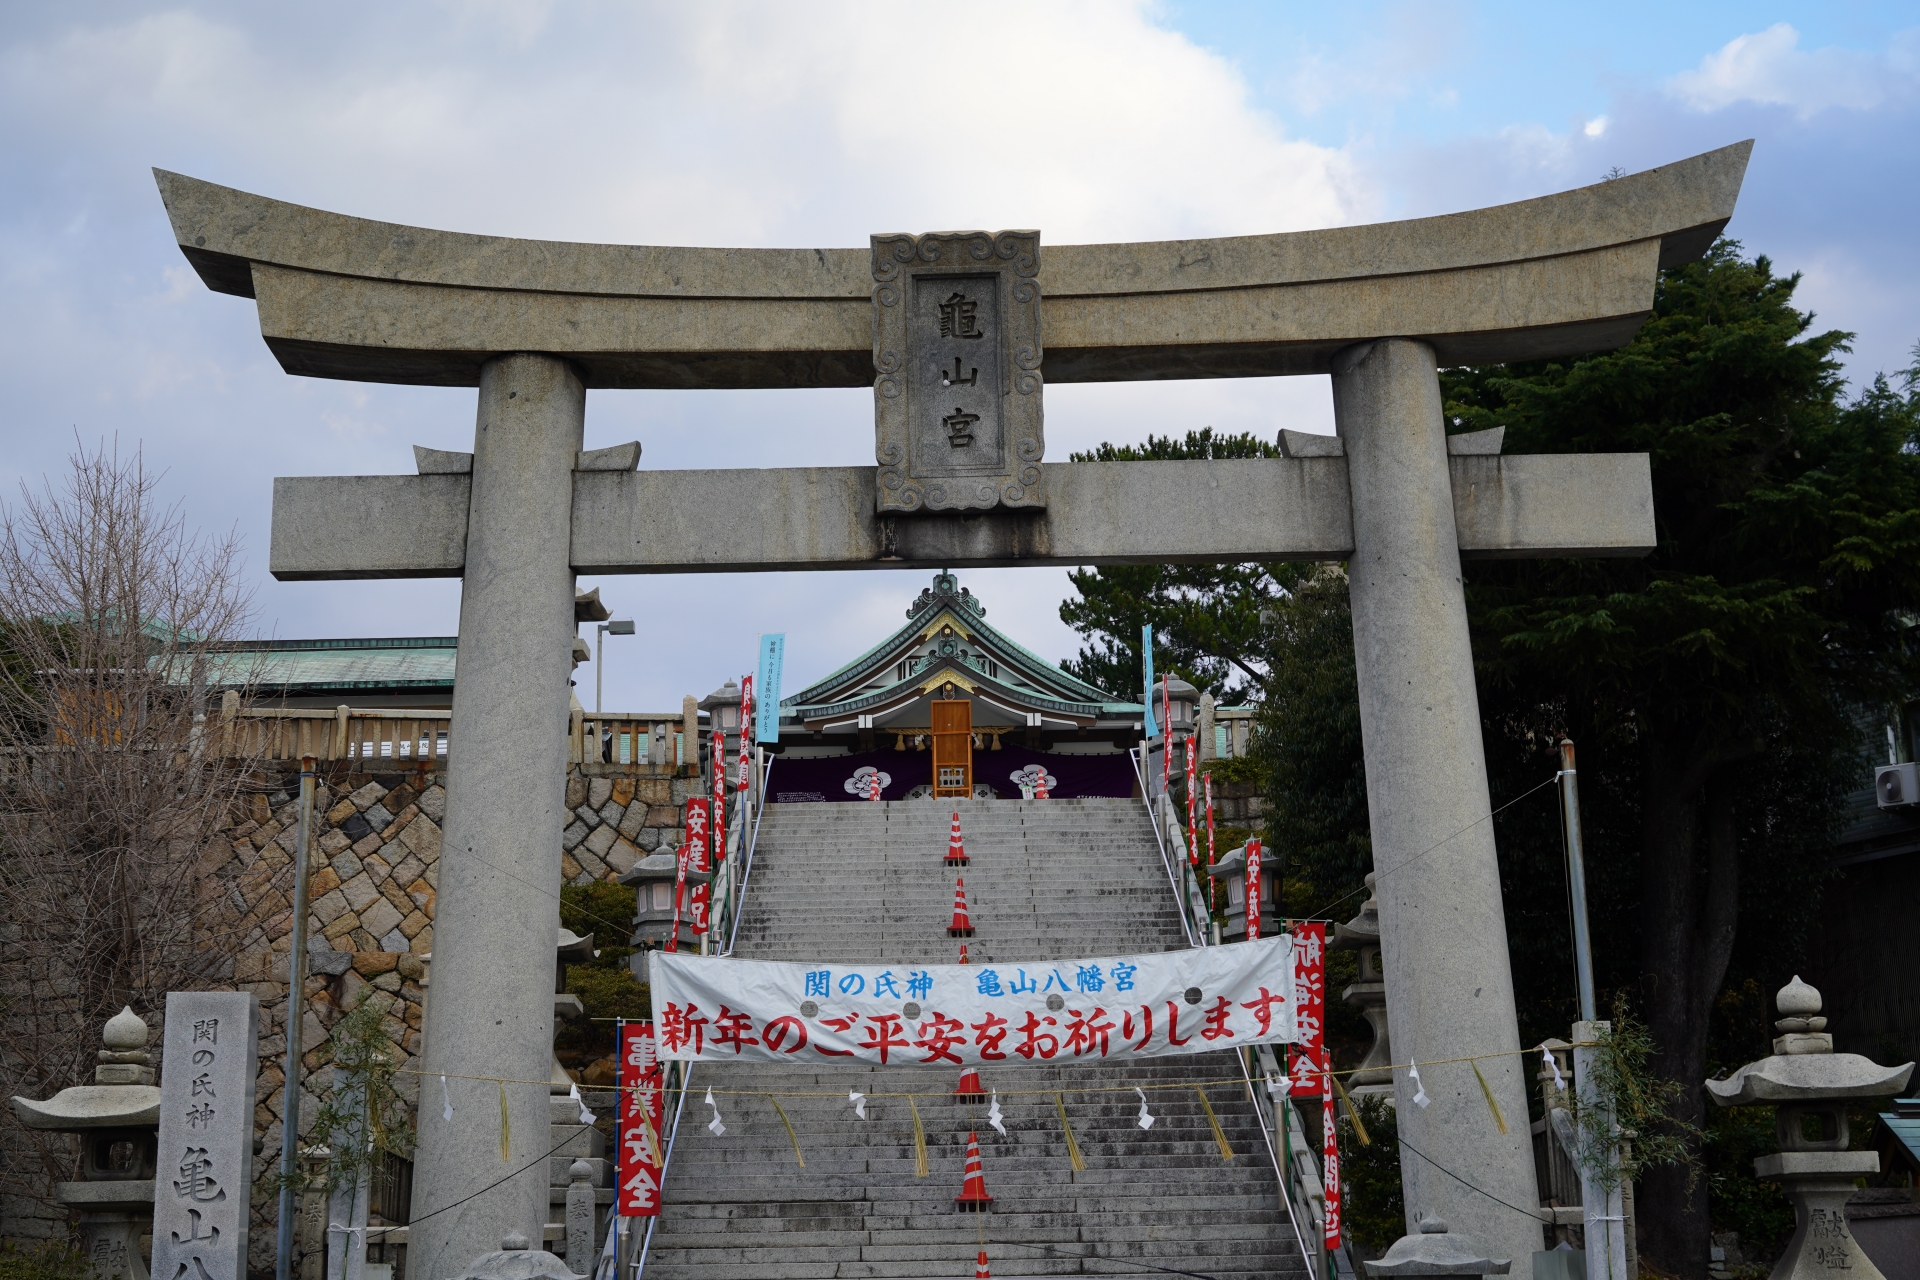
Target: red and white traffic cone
961 926
956 852
963 954
973 1194
1040 786
873 785
970 1089
980 1271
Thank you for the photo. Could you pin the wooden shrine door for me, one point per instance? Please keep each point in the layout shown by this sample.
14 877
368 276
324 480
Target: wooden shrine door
952 747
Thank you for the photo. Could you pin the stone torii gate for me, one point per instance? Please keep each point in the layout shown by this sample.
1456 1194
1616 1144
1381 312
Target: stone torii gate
948 330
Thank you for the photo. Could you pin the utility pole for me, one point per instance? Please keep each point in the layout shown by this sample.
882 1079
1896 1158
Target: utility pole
1577 880
619 627
296 1011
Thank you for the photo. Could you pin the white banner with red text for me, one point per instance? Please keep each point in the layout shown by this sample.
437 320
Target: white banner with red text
715 1009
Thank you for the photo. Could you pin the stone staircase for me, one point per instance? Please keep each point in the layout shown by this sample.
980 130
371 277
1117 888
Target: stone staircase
1049 879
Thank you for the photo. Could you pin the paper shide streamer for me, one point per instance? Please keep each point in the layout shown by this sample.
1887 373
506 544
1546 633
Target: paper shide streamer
714 1126
995 1116
1553 1065
858 1101
1146 1116
446 1100
1420 1098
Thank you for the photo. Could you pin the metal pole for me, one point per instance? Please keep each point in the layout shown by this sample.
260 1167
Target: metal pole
296 1011
1577 879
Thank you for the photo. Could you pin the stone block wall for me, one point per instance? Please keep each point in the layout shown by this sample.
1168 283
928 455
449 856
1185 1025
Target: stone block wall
614 821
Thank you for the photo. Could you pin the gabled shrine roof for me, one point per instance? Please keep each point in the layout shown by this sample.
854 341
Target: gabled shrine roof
851 689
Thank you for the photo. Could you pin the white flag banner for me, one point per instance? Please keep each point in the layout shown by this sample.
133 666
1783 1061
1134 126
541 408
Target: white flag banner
713 1009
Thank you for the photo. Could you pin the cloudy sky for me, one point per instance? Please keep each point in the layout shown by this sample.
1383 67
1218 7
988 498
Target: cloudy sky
783 124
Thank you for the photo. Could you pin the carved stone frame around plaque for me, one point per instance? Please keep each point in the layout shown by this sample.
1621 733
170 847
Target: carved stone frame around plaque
956 358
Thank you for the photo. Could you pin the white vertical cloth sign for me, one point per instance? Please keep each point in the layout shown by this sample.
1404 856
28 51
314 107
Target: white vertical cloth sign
203 1183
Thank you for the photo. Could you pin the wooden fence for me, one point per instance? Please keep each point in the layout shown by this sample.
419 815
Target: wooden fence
405 736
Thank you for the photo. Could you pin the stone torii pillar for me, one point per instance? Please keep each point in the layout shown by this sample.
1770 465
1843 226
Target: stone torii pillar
495 920
1437 877
947 330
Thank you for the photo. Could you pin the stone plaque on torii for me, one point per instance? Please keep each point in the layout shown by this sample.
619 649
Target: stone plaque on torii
533 325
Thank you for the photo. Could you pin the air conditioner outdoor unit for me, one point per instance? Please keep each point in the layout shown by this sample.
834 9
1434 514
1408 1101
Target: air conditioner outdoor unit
1897 786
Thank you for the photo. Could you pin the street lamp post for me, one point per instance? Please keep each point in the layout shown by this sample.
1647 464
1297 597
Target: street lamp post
619 627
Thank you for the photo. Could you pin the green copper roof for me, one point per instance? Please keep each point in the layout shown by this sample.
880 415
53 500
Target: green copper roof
290 665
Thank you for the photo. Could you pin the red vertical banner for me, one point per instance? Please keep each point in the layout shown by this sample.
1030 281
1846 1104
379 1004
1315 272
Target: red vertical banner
1193 809
1253 890
1330 1161
1310 1008
699 831
719 796
641 1085
679 895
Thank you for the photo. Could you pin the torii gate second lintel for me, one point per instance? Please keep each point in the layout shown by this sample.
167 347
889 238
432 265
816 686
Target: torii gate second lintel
534 325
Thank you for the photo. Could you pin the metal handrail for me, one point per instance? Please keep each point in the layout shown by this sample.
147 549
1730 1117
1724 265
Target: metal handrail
673 1135
736 894
1173 879
739 893
1266 1109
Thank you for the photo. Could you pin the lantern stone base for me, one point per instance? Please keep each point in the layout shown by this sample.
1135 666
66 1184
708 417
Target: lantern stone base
1819 1184
112 1219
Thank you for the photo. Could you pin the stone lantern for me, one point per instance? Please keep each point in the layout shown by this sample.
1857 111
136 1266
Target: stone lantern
1368 993
516 1259
1183 705
1809 1085
1233 869
653 879
117 1118
572 949
723 708
1434 1251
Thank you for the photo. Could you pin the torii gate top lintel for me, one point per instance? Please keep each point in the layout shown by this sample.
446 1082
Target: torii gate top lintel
355 298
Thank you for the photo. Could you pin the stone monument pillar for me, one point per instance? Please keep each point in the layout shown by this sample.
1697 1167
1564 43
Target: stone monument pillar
1442 934
491 1012
203 1190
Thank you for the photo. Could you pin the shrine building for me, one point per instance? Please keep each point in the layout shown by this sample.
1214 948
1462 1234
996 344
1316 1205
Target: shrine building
948 705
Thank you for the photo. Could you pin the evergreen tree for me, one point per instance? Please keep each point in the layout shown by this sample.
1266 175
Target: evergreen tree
1711 685
1205 617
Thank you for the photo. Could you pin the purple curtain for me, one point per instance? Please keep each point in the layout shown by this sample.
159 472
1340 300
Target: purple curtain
827 779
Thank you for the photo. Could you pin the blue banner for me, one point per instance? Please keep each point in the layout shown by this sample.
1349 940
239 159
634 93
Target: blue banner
1146 659
766 689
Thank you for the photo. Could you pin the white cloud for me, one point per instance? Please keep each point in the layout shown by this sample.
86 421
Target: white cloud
716 123
1595 127
1770 68
723 123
